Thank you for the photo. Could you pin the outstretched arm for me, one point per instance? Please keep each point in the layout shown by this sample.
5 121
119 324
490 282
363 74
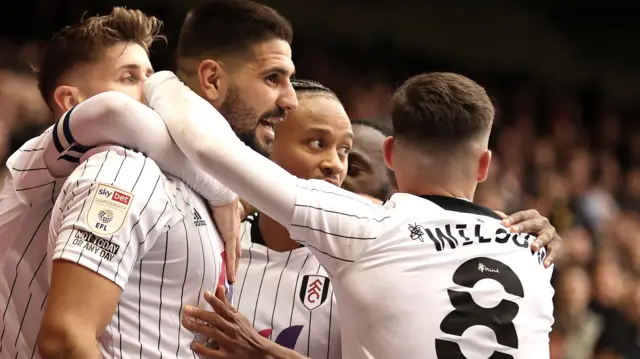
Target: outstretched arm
114 118
335 224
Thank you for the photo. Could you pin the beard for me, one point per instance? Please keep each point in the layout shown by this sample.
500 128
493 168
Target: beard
243 121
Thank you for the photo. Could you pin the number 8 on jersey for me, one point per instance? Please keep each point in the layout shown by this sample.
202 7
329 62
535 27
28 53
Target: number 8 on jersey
468 313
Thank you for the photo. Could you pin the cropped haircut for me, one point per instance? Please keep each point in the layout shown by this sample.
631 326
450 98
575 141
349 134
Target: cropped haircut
302 86
439 108
225 27
86 42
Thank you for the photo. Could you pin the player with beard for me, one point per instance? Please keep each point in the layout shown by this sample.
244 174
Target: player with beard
260 55
398 269
275 272
113 200
282 289
299 312
228 57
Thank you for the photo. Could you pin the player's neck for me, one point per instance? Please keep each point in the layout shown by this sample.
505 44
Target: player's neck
421 189
434 180
275 236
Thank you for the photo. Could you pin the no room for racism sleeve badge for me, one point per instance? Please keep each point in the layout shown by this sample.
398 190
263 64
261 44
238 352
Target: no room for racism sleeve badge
108 210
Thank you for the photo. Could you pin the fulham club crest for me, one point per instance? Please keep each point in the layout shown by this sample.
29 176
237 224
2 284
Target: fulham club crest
314 291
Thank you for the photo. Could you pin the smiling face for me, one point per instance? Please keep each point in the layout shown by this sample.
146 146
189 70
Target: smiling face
256 93
315 140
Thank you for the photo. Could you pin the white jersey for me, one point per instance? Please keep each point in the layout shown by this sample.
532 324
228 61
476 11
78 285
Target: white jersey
287 296
26 199
26 203
432 277
416 278
149 233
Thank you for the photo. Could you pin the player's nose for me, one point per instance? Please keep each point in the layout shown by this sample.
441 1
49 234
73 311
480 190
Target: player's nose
332 164
287 99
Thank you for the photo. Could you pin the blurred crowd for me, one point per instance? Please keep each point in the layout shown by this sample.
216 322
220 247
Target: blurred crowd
575 163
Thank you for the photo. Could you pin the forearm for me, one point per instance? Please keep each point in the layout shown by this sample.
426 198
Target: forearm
114 118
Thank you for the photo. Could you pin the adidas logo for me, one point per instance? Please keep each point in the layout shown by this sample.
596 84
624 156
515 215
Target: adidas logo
197 219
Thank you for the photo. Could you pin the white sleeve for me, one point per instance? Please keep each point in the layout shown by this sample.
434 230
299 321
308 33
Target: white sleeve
114 118
110 212
336 225
32 183
332 222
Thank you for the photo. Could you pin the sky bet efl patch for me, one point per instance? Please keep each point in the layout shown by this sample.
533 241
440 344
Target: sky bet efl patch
108 210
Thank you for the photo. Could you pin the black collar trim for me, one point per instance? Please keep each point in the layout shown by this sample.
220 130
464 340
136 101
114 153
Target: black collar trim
460 205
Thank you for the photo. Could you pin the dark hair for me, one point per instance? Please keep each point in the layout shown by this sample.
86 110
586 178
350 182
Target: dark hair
222 27
440 108
308 86
87 40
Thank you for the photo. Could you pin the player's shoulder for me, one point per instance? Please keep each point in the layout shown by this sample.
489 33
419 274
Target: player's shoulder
120 169
441 208
115 160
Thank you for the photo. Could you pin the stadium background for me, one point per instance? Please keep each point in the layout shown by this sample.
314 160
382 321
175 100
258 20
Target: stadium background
565 80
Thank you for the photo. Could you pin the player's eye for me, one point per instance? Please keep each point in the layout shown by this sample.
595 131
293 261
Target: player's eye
344 151
353 170
273 78
316 144
131 78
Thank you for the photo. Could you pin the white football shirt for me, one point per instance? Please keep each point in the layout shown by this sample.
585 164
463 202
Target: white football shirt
148 232
26 199
431 277
26 203
287 296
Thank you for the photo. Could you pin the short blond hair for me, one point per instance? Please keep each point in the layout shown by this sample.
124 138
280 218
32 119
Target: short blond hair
87 40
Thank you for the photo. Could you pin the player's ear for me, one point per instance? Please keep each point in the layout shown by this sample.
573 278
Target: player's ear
483 165
66 97
388 146
210 75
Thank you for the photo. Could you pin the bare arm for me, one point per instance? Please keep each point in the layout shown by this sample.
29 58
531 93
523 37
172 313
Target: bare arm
75 315
91 263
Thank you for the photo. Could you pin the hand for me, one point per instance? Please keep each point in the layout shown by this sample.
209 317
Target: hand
531 221
246 209
232 332
227 218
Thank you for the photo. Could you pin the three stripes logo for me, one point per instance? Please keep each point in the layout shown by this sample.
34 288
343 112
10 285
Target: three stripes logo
198 221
